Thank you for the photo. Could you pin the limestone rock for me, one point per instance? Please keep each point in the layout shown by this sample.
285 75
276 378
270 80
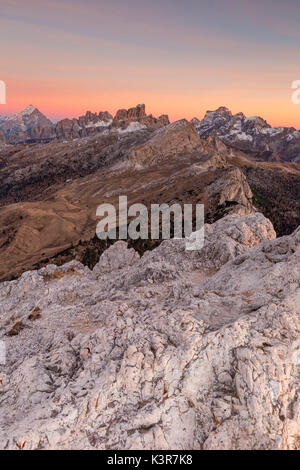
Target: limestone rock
124 118
231 192
232 236
116 257
196 358
87 125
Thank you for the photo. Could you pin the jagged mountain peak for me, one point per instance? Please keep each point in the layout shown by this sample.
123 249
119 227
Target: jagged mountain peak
251 134
137 114
25 125
221 111
217 117
20 114
30 125
257 121
28 110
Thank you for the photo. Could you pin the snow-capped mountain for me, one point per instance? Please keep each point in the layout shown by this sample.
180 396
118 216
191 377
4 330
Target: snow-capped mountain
251 134
25 120
28 124
248 134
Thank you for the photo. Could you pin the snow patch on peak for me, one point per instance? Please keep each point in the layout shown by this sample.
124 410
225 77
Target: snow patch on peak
132 127
26 111
29 109
100 124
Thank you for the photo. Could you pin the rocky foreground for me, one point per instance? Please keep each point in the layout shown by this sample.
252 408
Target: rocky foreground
173 350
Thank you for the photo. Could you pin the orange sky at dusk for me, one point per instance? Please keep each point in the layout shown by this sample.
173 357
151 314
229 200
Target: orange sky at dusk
71 56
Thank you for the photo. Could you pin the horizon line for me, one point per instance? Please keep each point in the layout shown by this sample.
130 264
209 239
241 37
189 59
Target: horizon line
55 120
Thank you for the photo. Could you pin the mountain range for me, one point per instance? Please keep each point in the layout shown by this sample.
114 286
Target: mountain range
252 135
50 190
31 126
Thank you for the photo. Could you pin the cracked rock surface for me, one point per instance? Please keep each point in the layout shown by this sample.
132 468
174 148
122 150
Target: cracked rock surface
173 350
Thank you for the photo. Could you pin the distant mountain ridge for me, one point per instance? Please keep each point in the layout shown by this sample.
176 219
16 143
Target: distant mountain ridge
30 125
251 134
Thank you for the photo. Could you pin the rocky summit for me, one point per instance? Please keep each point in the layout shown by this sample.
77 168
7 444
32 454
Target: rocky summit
125 355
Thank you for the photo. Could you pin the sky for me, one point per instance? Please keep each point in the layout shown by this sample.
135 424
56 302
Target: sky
179 57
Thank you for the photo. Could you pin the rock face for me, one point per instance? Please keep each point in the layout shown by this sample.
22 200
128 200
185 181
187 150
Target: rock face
30 125
231 192
67 129
116 257
212 121
131 120
178 138
252 135
89 124
175 350
232 236
137 118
